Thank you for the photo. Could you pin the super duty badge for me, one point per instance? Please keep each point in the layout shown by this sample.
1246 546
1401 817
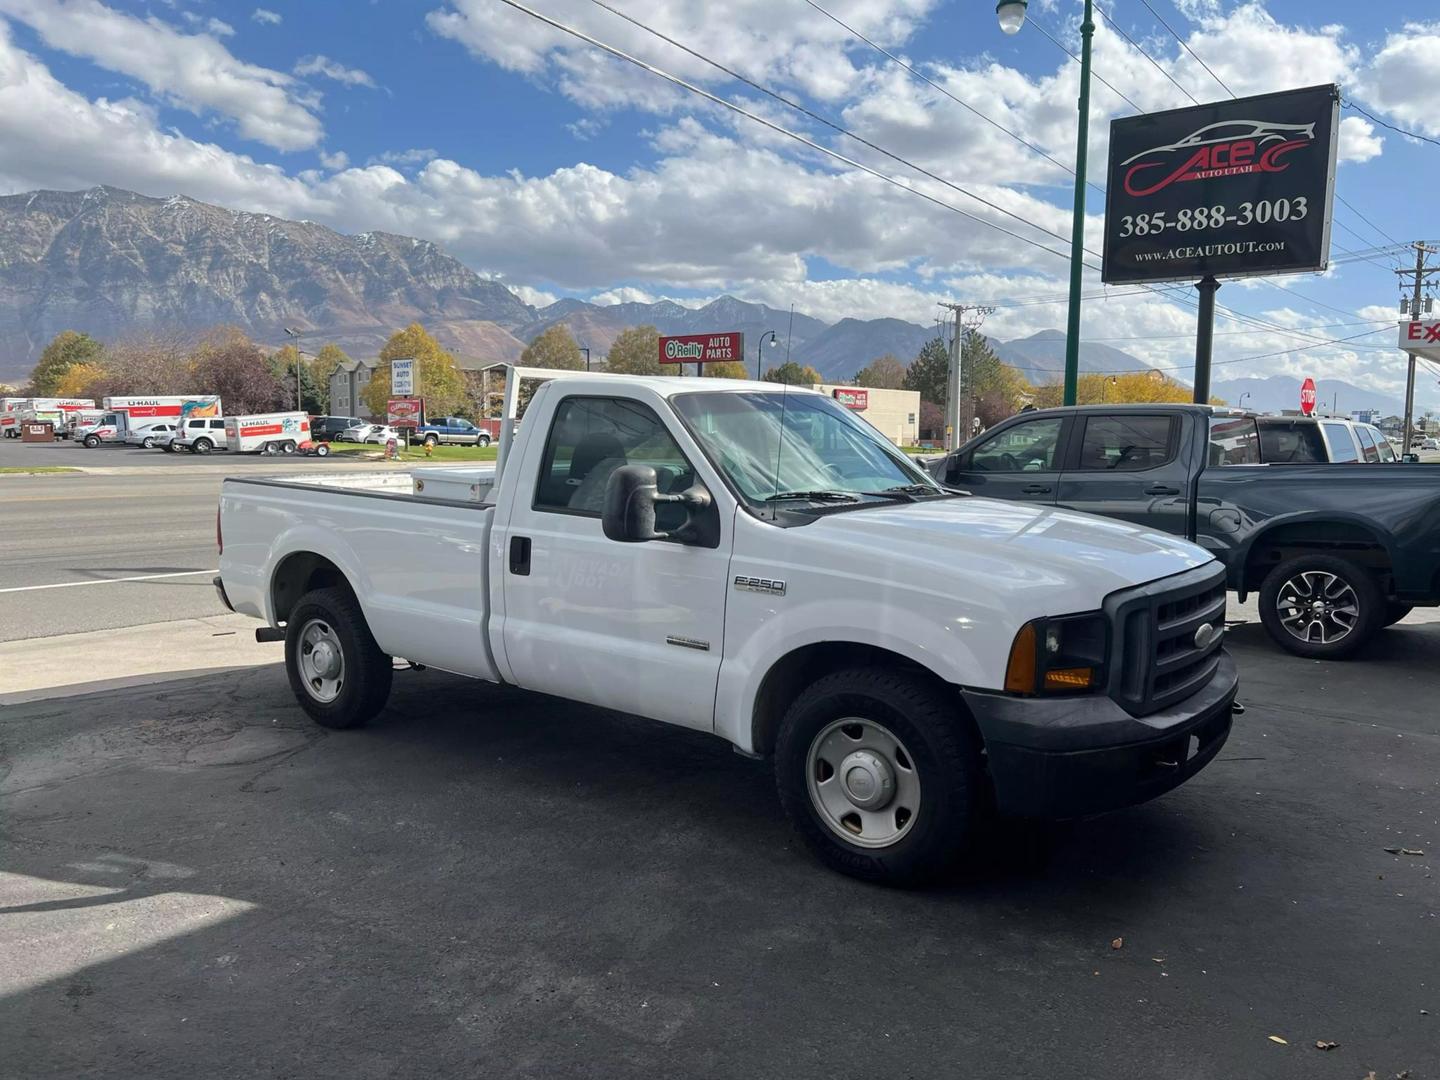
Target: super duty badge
760 585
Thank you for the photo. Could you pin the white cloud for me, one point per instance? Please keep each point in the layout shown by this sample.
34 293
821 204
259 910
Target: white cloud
407 157
537 298
266 17
586 128
1404 79
1358 141
333 69
625 294
338 160
193 71
213 26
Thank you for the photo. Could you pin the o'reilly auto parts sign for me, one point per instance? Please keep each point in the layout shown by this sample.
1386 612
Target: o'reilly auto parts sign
703 348
1234 188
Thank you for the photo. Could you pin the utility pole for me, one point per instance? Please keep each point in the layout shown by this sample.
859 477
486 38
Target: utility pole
958 412
1420 275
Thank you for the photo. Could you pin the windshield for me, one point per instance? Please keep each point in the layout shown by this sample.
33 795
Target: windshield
825 448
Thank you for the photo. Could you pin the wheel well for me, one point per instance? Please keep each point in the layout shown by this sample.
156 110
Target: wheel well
297 575
1354 542
798 669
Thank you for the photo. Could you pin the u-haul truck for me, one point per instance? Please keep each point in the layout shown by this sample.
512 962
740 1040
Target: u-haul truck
268 433
123 413
58 411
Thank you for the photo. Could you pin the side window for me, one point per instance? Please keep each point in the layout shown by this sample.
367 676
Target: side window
1382 444
1031 446
1127 443
592 437
217 425
1367 445
1233 442
1342 446
1291 443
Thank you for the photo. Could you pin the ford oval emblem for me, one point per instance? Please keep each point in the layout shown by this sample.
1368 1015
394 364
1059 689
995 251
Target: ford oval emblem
1205 635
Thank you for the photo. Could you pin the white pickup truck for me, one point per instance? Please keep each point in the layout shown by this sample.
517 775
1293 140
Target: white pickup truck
756 562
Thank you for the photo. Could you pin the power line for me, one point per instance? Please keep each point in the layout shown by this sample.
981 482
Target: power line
1120 30
1392 127
1367 221
1095 74
1186 47
936 86
1244 359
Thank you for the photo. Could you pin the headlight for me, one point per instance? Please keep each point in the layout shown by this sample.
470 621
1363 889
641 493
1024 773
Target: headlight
1057 656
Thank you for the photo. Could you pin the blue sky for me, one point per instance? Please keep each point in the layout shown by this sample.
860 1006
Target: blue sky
538 160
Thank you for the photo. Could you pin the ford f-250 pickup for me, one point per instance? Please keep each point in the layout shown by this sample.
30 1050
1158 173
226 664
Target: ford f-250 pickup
754 561
1336 552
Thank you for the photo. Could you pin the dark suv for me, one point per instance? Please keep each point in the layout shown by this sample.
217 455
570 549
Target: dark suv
325 428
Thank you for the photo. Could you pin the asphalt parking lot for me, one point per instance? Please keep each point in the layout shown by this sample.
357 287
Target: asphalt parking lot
198 882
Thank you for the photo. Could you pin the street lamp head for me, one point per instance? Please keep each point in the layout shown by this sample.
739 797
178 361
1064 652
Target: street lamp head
1011 14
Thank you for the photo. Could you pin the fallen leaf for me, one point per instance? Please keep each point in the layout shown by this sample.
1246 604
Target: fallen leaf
1321 1044
1278 1039
1117 943
1393 850
1158 959
1411 851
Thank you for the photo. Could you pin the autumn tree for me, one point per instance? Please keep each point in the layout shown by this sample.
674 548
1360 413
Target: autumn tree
883 373
226 362
929 373
157 362
1131 387
553 348
636 351
727 369
322 366
66 349
793 374
79 380
442 384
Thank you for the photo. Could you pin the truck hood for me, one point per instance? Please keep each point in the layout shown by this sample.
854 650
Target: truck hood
1016 544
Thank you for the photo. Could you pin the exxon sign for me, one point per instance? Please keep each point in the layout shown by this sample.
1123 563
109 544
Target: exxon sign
720 348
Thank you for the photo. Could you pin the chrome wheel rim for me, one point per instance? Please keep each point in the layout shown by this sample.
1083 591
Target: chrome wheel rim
1318 607
862 782
321 660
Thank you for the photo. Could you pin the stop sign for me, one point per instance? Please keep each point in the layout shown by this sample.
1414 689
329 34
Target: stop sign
1307 396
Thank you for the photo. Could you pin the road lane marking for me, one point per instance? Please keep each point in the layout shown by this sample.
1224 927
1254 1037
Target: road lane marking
105 581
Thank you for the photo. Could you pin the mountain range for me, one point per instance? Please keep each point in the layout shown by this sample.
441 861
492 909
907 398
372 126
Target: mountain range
114 263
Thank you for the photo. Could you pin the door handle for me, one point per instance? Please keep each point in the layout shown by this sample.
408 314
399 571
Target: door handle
520 555
1036 489
1161 489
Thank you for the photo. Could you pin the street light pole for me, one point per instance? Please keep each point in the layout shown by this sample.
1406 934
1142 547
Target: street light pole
296 335
586 350
1011 14
1243 397
760 352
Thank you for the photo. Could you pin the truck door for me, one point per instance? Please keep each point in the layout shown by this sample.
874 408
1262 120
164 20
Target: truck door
1129 466
634 627
1020 461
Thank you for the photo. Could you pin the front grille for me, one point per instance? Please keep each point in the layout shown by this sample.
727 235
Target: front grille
1158 661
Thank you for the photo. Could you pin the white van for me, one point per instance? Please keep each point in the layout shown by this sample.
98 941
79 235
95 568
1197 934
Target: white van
200 435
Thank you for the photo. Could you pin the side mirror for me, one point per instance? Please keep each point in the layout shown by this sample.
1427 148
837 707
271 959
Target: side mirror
1410 459
631 496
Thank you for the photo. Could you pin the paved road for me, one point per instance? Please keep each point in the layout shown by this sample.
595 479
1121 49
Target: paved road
198 882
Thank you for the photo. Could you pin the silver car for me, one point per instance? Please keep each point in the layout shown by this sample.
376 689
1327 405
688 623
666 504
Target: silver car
150 436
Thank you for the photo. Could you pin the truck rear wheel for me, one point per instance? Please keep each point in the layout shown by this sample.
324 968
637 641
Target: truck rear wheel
1321 606
337 672
880 774
430 441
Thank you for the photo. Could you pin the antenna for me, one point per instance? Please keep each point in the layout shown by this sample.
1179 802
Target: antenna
779 449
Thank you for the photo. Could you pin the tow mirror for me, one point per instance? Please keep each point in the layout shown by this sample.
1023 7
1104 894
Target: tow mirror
631 496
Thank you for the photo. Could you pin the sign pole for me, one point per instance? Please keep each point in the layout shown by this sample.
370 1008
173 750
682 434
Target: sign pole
1409 404
1205 337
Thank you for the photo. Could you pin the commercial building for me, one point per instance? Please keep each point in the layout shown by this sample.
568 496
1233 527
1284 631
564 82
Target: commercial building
895 413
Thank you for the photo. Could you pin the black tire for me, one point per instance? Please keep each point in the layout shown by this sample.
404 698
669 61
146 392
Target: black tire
322 450
943 749
201 446
92 441
431 440
288 447
368 671
147 444
168 447
1368 600
1394 612
483 441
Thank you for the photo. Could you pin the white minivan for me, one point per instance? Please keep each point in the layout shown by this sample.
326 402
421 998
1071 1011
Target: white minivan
200 435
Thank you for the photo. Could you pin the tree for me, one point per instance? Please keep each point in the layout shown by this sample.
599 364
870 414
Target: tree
929 373
441 383
1131 387
157 362
322 366
553 348
727 369
994 388
883 373
65 349
78 380
226 362
793 374
636 351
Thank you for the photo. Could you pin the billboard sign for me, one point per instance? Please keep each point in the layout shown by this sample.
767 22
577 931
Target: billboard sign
404 411
402 377
1228 189
852 399
703 348
1421 337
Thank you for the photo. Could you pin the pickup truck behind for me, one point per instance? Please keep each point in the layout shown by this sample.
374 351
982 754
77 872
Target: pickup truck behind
456 430
1336 551
753 561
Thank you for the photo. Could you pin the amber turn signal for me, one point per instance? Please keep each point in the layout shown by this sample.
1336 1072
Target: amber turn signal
1075 678
1020 671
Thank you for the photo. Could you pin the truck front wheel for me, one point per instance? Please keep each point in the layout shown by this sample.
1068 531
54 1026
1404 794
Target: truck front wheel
1321 606
337 672
91 441
879 772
